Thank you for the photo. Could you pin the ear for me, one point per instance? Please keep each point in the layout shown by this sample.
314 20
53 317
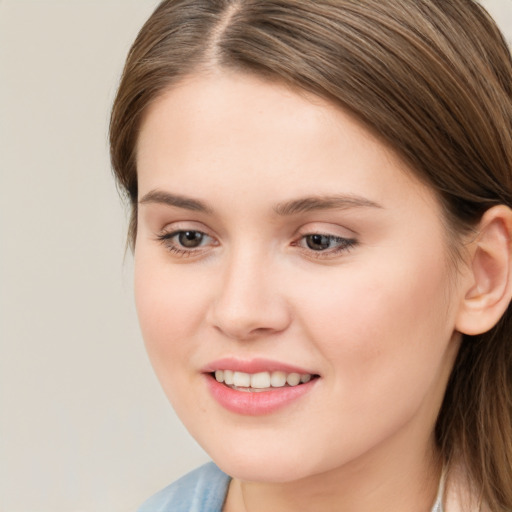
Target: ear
488 291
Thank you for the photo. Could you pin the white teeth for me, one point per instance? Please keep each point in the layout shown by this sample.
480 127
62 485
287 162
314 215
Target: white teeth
278 379
293 379
242 380
261 380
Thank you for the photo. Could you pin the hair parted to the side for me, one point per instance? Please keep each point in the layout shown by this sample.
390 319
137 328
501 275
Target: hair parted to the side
433 78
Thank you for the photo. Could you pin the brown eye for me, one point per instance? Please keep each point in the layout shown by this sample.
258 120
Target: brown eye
326 246
190 239
319 242
186 242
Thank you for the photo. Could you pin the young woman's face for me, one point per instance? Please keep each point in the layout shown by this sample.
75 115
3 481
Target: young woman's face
278 239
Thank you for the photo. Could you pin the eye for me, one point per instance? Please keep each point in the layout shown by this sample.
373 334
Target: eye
186 241
319 242
190 239
322 245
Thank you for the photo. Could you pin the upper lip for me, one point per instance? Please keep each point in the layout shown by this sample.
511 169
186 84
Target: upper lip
256 365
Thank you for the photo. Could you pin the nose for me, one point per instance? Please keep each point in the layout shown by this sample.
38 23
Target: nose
248 302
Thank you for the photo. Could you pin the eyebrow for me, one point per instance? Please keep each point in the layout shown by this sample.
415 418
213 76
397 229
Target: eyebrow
334 202
187 203
284 209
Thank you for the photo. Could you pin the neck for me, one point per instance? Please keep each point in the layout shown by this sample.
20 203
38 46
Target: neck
400 483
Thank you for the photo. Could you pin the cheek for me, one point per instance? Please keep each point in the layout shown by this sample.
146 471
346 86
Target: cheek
170 308
382 326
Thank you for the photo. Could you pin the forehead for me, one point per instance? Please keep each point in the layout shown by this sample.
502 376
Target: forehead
240 134
243 109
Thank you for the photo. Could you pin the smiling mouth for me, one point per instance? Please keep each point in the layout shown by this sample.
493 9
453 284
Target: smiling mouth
261 381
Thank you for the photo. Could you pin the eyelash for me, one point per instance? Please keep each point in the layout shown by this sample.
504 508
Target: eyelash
345 244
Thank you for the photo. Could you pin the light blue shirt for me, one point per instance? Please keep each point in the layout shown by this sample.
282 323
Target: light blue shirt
202 490
205 489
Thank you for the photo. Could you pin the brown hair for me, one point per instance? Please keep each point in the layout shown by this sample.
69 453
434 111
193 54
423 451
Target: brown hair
433 78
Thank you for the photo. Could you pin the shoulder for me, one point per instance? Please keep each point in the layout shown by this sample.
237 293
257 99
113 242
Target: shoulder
202 490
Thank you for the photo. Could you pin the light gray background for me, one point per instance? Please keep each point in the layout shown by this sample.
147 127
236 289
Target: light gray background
84 426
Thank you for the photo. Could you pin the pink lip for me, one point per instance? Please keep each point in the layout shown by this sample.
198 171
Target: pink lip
256 403
253 366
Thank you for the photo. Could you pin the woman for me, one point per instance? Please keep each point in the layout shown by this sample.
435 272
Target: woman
320 200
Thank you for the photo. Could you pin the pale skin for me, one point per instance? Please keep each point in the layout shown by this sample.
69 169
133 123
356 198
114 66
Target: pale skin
376 311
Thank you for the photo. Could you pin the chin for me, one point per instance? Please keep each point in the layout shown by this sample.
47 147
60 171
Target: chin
270 465
267 471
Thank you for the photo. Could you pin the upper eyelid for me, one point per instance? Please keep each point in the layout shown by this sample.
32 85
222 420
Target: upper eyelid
336 231
312 227
179 226
325 233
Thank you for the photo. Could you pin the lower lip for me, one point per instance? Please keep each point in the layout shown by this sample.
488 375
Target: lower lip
256 403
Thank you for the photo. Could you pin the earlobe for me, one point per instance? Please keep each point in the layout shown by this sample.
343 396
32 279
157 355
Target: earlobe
489 291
